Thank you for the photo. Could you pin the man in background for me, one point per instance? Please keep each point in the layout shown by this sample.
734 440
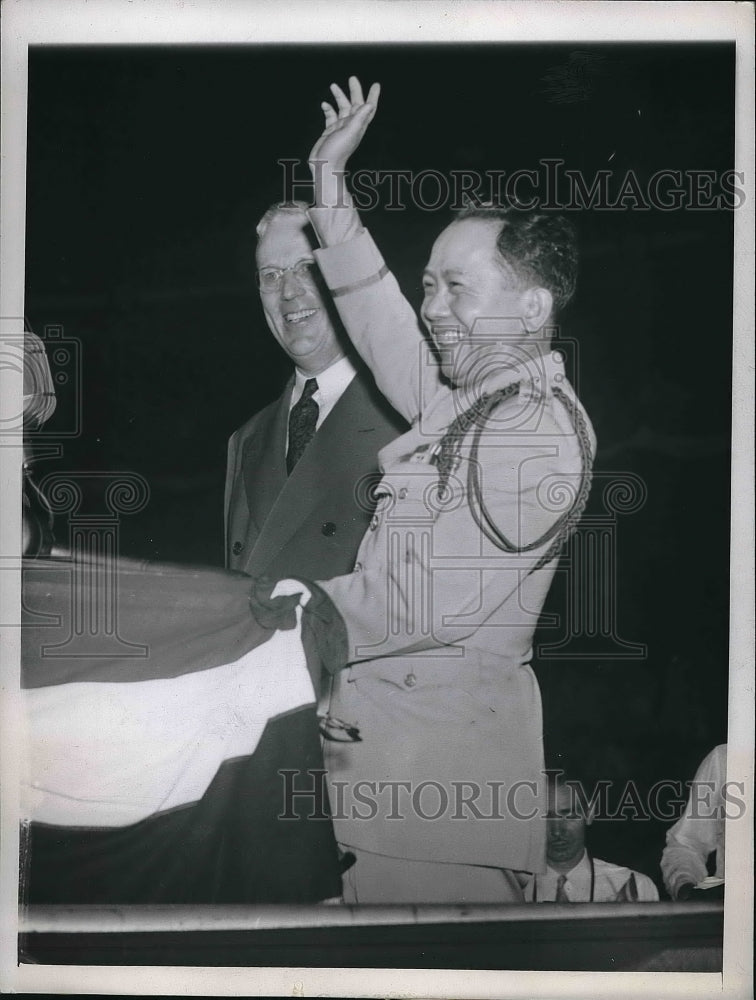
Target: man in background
297 484
572 874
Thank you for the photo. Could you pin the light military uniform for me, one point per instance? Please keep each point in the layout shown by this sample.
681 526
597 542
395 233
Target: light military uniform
440 619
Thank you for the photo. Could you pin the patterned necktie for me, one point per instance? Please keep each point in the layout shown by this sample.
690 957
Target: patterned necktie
302 421
561 892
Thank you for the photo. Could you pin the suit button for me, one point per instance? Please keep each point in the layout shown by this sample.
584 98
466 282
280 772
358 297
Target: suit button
403 492
410 680
328 529
237 548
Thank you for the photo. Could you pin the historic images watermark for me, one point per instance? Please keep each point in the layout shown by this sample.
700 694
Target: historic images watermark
408 505
90 503
63 368
551 186
462 800
93 556
588 628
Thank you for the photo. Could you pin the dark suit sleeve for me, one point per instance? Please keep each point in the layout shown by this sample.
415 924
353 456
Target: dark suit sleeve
231 473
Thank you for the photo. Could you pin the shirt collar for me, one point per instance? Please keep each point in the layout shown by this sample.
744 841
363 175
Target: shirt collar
331 382
580 870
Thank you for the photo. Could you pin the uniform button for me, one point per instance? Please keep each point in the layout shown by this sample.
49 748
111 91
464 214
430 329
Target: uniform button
403 492
358 567
374 522
329 529
237 548
410 680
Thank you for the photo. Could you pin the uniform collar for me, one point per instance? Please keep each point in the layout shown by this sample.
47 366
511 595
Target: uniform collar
501 366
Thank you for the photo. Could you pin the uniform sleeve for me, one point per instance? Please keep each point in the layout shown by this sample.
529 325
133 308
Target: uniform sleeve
453 574
380 322
696 834
335 225
683 859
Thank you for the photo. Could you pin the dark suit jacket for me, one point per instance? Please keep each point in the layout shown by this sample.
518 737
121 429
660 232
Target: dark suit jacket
310 523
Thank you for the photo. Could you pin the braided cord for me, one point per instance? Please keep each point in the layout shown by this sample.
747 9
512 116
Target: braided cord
449 454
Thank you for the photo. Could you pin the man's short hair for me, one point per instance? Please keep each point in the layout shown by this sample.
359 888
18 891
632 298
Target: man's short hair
540 247
584 802
290 208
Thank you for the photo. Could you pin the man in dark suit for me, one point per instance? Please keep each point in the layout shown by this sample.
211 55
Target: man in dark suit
297 482
298 497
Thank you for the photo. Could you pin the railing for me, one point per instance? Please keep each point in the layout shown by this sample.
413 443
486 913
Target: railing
551 936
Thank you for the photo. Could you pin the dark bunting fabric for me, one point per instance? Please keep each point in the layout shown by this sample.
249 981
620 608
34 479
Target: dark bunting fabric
163 738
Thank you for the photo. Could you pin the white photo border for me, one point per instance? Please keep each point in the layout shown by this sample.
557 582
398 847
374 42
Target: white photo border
35 22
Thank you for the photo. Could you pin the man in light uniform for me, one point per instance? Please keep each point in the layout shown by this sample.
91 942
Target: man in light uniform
475 502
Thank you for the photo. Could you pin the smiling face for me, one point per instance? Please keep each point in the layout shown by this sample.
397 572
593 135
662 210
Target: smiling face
466 281
296 311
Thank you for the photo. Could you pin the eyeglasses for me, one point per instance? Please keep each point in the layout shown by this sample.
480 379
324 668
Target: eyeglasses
269 279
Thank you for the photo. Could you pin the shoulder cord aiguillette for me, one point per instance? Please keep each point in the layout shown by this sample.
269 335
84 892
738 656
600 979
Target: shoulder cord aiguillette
449 453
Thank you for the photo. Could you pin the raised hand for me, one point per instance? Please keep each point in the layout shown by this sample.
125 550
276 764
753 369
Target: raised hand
345 126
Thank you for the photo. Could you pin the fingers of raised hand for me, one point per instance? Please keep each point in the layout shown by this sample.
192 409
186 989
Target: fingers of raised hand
355 91
356 96
329 114
355 103
342 101
350 117
373 94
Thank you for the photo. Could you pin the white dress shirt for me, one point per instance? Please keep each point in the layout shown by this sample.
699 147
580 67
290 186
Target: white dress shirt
608 882
332 383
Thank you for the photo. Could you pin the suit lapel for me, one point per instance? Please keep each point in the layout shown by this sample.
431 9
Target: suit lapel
264 462
328 456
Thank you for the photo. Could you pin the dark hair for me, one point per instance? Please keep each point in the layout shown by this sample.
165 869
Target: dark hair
539 247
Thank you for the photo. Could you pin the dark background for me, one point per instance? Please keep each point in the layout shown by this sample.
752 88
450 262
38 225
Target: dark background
147 170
